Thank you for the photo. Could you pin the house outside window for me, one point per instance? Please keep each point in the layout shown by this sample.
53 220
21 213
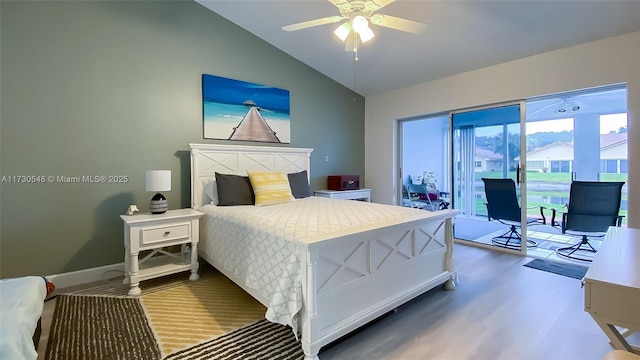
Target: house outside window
560 166
535 165
624 166
618 166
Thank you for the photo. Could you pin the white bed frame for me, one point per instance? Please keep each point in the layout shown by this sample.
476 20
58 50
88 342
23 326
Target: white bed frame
352 277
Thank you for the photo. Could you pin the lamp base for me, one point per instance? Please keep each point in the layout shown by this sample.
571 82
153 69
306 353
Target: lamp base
158 204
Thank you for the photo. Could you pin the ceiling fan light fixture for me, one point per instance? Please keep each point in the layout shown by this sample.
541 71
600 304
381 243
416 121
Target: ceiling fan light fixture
570 106
360 23
366 34
343 31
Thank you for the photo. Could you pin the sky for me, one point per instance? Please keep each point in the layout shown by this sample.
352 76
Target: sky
230 91
608 123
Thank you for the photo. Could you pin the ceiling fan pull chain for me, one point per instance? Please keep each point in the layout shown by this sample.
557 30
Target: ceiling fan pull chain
354 73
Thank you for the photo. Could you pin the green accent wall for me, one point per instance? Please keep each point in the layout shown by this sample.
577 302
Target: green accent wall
113 88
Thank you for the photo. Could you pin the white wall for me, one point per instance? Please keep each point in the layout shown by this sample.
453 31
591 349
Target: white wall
424 148
608 61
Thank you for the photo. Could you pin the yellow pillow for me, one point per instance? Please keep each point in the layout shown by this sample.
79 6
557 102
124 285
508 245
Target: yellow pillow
270 187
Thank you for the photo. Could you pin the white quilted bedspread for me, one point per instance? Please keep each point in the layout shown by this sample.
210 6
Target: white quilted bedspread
259 244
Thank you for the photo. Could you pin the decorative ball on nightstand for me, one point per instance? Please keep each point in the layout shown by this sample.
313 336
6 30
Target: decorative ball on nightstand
158 180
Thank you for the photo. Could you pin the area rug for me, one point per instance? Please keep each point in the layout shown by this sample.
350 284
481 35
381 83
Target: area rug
211 318
571 270
93 327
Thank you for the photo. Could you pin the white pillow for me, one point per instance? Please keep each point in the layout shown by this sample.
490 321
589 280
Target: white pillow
211 189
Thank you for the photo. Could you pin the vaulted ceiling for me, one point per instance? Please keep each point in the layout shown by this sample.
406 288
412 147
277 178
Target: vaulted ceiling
461 35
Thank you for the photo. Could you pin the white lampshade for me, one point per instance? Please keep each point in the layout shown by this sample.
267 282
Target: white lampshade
158 180
360 23
343 31
366 34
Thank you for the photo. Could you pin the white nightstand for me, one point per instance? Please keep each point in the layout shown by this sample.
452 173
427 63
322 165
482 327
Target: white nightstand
155 232
362 194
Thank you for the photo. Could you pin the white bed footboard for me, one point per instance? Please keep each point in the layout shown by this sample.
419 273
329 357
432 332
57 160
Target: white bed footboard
356 278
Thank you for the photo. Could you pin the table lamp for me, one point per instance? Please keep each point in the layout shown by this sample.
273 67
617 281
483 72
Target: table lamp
158 180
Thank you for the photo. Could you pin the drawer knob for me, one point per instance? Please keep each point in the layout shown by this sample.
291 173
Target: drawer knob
166 233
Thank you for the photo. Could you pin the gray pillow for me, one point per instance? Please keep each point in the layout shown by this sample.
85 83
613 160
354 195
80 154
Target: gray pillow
299 183
234 190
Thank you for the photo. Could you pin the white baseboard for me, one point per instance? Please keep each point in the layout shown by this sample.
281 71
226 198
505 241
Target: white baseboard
73 278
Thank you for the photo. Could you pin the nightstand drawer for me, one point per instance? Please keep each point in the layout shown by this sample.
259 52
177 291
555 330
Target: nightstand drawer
155 235
344 196
362 194
353 194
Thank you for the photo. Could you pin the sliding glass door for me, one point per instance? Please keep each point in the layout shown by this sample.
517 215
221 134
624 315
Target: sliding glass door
423 165
486 144
580 135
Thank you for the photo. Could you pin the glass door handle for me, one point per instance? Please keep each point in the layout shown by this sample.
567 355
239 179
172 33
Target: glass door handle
518 174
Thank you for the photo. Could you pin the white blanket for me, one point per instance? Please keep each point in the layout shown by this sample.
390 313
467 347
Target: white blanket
21 303
259 244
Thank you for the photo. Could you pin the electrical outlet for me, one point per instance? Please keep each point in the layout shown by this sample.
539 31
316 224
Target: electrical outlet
326 158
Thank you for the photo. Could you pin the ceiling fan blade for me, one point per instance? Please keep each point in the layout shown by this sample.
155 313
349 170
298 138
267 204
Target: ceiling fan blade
398 23
338 2
311 23
379 4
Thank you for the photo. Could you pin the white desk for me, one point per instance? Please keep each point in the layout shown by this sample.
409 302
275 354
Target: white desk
612 287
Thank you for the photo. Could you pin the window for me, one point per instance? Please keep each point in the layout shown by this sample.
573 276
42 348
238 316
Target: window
535 164
560 166
624 166
611 166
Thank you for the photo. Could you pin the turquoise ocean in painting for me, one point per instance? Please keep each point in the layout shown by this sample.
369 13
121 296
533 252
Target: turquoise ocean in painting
220 119
224 106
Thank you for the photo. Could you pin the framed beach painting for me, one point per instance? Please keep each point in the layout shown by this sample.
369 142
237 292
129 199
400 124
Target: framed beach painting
244 111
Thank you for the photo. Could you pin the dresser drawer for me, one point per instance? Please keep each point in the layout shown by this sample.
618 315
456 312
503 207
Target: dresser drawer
165 234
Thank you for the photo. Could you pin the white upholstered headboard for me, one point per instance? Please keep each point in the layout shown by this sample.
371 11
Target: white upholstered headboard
207 159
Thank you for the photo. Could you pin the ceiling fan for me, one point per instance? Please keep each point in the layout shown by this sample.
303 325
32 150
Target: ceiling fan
358 15
562 106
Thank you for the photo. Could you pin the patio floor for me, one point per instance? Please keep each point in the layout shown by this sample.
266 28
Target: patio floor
548 238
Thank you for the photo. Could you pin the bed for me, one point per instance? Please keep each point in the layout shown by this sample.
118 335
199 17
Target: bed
332 267
21 304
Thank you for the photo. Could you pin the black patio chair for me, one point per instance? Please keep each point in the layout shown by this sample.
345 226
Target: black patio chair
502 205
593 207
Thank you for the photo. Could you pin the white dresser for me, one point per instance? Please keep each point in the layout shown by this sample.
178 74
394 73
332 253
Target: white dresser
612 286
361 194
